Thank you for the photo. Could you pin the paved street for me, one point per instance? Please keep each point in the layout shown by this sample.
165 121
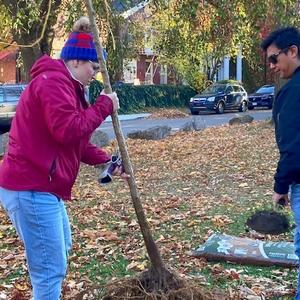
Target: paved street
207 119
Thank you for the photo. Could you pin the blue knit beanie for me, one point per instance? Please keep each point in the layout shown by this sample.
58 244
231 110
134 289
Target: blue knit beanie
79 46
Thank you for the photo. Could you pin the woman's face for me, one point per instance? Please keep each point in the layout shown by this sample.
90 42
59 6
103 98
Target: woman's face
84 71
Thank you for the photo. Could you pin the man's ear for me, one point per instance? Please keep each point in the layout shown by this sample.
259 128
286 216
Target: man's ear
294 51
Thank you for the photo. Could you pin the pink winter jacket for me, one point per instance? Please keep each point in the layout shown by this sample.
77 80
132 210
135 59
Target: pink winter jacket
50 132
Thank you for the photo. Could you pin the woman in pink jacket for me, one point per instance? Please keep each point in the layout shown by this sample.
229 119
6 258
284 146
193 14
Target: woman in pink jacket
49 138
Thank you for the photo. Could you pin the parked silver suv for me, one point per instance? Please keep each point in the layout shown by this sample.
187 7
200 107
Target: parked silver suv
9 97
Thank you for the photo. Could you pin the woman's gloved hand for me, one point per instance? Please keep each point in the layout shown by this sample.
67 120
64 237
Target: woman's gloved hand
114 167
114 98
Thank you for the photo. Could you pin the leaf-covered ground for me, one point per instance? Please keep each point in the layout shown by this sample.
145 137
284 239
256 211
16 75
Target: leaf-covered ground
191 185
170 113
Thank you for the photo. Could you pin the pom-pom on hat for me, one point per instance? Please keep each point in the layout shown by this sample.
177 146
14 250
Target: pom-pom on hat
80 44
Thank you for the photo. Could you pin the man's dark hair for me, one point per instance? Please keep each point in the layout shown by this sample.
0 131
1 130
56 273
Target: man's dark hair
282 38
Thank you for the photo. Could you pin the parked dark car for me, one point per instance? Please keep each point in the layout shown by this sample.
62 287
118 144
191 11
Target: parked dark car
263 97
220 97
9 97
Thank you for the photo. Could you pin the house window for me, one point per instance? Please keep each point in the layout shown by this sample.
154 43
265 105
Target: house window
129 71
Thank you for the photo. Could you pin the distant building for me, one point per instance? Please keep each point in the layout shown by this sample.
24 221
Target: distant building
231 68
9 72
144 69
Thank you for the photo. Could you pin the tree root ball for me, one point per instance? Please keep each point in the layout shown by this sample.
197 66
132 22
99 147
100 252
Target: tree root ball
150 285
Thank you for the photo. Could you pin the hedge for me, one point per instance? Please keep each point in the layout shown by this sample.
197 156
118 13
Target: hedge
136 98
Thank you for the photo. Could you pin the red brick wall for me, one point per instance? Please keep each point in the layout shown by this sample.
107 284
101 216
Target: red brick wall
8 71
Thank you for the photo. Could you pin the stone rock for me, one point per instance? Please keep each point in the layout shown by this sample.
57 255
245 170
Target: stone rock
100 138
194 124
241 119
153 133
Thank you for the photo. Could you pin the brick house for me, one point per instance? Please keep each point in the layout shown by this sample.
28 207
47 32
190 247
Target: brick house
9 72
144 69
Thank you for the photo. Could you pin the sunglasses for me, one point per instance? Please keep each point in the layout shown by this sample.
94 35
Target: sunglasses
95 66
273 59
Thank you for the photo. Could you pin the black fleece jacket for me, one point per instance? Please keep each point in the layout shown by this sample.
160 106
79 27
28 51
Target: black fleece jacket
286 115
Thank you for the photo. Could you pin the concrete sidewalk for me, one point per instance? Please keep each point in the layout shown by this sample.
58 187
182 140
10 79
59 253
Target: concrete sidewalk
129 117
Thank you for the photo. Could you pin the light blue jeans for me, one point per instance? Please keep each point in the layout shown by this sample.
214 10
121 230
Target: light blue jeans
42 223
295 204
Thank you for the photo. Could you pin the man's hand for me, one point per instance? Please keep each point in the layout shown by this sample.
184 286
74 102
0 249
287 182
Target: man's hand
283 197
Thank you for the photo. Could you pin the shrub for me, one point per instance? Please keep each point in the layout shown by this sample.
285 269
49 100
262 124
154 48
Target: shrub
136 98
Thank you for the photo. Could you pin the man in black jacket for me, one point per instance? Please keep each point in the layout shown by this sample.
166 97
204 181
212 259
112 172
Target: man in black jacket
283 53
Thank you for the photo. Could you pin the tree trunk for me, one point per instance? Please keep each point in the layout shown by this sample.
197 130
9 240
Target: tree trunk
116 51
29 56
154 255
